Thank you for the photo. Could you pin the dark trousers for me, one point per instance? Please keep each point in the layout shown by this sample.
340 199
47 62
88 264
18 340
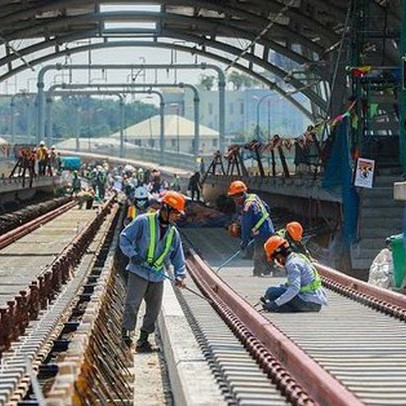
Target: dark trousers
261 264
296 305
195 192
137 289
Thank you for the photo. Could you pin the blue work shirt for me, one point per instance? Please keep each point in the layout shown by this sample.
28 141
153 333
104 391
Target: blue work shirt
300 273
251 214
134 240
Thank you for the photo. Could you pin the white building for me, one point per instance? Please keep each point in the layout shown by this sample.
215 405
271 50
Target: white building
179 134
247 108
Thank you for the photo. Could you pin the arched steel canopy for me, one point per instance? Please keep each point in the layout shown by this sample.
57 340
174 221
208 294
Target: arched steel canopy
240 33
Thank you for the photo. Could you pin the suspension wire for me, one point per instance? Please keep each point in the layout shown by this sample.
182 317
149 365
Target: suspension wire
260 35
335 73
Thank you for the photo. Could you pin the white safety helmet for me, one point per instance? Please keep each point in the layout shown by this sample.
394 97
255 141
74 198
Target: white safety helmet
141 193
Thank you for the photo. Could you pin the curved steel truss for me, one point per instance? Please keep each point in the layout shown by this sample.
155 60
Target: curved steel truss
245 34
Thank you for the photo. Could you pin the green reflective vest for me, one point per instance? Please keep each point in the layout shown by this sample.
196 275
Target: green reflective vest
158 263
316 283
254 198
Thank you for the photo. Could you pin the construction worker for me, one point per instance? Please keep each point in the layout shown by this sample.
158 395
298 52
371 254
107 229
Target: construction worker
303 291
150 242
194 186
139 206
175 185
256 224
293 234
76 183
42 154
86 195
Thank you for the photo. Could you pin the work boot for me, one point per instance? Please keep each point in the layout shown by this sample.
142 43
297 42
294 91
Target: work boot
143 345
126 337
264 301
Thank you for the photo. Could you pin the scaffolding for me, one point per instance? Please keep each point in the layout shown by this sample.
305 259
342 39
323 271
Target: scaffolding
374 84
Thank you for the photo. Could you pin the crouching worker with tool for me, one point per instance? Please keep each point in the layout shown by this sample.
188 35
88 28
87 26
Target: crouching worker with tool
303 291
150 242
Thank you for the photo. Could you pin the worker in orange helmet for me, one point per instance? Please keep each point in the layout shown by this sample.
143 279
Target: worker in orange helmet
256 224
303 290
293 234
150 242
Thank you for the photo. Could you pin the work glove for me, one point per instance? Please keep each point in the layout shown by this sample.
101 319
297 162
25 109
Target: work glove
270 306
234 229
137 259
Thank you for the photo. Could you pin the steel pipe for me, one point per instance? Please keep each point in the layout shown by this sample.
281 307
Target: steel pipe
221 86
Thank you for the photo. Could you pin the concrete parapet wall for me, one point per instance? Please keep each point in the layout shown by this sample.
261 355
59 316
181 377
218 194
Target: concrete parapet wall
12 188
301 196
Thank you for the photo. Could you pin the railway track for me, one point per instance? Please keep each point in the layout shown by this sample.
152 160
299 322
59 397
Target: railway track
29 327
36 260
352 352
31 211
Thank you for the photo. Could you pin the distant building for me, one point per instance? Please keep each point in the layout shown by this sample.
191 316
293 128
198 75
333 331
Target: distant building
276 115
179 134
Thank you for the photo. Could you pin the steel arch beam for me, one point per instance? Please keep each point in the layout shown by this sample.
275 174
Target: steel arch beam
210 26
117 44
260 62
267 43
198 40
242 13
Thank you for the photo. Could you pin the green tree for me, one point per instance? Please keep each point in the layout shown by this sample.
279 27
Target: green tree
97 117
241 80
207 81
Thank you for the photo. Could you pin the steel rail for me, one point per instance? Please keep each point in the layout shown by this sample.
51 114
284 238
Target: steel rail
14 235
308 374
14 318
383 300
37 342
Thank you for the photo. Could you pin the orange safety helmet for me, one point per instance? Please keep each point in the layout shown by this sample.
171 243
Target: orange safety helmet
274 245
295 230
236 188
175 200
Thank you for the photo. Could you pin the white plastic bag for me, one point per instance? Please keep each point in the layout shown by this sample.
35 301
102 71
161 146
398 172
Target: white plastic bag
381 270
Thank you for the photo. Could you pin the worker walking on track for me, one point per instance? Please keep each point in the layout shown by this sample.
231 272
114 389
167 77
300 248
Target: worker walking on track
293 234
256 224
303 290
140 205
150 242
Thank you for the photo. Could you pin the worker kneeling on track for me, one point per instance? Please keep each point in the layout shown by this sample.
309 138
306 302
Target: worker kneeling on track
150 242
256 224
303 291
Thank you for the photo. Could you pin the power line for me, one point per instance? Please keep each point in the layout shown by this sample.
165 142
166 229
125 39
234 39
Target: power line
261 34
